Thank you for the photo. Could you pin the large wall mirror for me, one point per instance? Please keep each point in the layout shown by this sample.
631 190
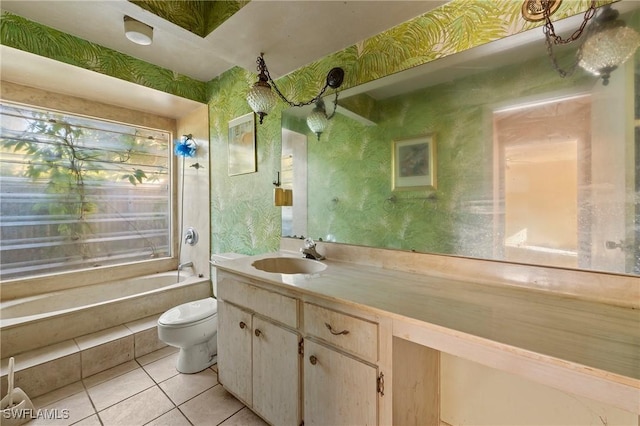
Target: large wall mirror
487 153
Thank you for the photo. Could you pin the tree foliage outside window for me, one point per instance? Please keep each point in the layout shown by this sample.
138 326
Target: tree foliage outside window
78 192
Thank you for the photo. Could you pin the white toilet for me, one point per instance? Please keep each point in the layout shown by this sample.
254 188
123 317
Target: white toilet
192 327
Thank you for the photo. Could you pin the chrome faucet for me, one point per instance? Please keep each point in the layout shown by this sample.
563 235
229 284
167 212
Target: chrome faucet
185 265
191 236
309 250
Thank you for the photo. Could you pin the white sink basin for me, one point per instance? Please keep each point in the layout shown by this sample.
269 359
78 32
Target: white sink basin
289 265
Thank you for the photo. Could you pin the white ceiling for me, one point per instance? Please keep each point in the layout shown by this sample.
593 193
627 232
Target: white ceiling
290 33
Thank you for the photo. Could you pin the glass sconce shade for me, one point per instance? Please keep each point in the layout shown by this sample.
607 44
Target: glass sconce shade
607 48
318 120
608 44
261 99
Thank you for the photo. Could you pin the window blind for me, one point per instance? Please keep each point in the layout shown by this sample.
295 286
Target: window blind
78 192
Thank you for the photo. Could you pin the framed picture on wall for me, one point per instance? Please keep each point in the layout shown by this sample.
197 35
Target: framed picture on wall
414 163
242 145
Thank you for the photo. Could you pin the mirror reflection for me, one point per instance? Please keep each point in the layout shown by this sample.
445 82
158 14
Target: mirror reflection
523 165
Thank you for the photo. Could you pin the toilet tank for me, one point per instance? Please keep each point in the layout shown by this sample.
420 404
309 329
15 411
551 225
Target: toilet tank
220 257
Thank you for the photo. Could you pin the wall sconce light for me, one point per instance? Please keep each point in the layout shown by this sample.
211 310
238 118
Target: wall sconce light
318 120
261 98
608 43
137 31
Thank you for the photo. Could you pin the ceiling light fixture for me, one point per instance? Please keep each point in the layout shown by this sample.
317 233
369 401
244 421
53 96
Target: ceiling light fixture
262 99
137 31
607 45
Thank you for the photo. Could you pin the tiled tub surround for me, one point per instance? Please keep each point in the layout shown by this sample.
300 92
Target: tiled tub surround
147 390
42 370
573 331
36 321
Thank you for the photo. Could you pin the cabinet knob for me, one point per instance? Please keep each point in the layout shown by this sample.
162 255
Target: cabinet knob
258 332
242 325
313 360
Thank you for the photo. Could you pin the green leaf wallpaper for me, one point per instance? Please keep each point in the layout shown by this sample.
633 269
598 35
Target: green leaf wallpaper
200 17
350 167
23 34
243 217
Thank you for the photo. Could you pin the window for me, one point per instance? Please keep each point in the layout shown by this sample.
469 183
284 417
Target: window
78 192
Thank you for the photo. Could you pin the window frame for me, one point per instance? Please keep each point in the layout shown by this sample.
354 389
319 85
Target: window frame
22 287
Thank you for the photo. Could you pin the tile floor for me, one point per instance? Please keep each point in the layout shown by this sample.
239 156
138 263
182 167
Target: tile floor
146 391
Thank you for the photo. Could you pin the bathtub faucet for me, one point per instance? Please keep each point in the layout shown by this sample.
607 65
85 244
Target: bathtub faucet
185 265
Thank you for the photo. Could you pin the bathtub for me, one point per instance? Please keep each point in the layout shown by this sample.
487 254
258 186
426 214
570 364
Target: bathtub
36 321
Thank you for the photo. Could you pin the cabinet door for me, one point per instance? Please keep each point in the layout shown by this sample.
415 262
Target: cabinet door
276 373
338 389
234 350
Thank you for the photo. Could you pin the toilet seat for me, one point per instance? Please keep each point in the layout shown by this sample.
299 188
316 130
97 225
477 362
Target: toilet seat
189 313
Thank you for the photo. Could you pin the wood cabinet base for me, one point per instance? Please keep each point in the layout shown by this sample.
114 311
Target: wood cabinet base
416 384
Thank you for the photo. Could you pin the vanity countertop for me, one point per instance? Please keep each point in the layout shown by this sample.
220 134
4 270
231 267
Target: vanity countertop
592 337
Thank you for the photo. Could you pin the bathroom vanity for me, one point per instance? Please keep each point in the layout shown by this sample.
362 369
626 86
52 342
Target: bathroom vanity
361 343
285 353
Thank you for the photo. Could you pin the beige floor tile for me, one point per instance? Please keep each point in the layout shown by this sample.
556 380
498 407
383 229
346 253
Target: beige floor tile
156 355
172 418
214 367
211 407
89 421
115 390
57 395
65 411
109 374
162 369
137 410
183 387
244 417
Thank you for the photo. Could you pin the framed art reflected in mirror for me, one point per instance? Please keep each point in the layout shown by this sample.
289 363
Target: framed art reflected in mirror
414 163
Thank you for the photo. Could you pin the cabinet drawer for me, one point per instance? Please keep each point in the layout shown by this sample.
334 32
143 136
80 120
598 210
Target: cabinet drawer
355 335
276 306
